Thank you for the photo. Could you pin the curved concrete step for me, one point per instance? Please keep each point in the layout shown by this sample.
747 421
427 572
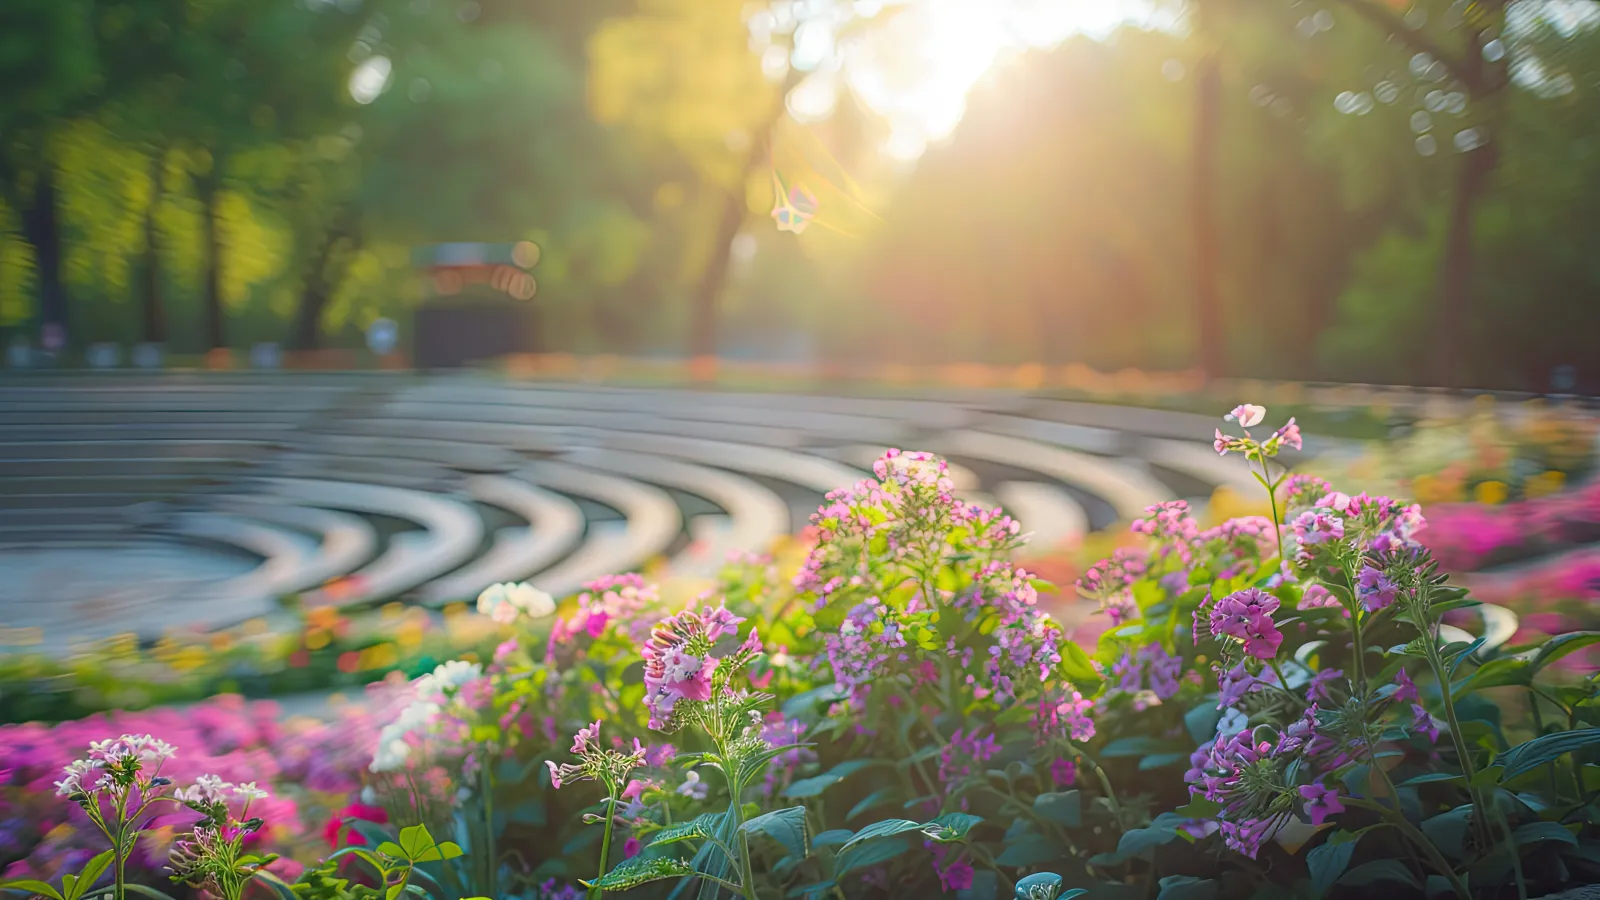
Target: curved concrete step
1127 488
651 523
1049 514
343 542
451 534
519 552
284 558
757 516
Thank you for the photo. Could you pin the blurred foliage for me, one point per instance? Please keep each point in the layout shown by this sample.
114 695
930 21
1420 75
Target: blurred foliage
199 154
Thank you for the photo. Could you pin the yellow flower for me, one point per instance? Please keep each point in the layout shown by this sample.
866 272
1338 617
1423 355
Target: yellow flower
316 639
189 658
1491 493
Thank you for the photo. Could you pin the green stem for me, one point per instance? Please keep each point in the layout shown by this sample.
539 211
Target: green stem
120 873
1442 677
1272 495
1420 840
1105 784
736 811
491 864
605 841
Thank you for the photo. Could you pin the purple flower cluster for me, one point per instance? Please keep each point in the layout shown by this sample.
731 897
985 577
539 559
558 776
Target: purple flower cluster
1246 617
679 667
964 757
1248 776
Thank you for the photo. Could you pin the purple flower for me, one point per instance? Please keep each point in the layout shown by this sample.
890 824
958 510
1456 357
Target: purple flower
1234 684
1375 589
631 848
1407 690
1247 616
1063 772
555 774
1288 436
1422 723
1321 802
1318 689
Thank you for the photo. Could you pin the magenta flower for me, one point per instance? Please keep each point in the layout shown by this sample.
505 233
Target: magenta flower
1321 802
1232 685
1247 617
555 774
631 848
679 667
1407 690
1063 772
1221 443
1318 688
587 739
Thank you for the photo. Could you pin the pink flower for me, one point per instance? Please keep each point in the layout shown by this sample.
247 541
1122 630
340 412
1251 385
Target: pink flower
1247 415
1247 616
555 774
631 848
1221 443
1375 589
586 740
1321 802
1288 435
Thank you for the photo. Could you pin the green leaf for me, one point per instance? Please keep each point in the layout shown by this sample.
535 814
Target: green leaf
835 836
1161 760
631 873
1430 778
697 829
951 827
1462 656
811 787
1135 841
1561 645
1043 886
391 850
1064 808
886 828
1199 808
786 826
1327 862
1534 832
1448 830
92 870
862 856
876 798
1380 870
447 850
415 841
1078 668
1186 887
985 886
1201 720
30 886
1507 670
1134 746
1029 850
1530 755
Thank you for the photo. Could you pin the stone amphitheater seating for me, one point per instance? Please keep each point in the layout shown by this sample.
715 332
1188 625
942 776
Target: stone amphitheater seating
366 488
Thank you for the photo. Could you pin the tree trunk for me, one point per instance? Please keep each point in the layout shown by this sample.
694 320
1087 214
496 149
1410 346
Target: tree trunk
41 225
154 326
327 270
1208 311
703 312
211 288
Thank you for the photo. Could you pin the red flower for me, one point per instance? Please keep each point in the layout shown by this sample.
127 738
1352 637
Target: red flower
337 827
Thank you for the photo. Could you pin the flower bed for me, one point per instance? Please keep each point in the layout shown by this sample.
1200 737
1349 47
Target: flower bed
319 649
1465 538
1269 711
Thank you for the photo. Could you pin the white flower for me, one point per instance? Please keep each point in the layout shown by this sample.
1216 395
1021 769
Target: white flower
391 756
450 676
248 791
207 789
72 783
503 602
1247 414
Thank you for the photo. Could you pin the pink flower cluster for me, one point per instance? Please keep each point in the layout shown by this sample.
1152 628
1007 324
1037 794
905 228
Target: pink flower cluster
623 599
1246 616
678 663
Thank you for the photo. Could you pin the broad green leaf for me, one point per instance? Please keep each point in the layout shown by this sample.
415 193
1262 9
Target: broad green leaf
1201 721
1380 870
951 827
985 886
392 850
886 828
92 870
1534 832
1561 645
876 798
862 856
1430 778
1448 830
837 836
1078 668
1161 760
1530 755
786 826
1029 850
811 787
30 886
1064 808
1508 670
697 829
631 873
415 841
1199 808
1039 886
1327 862
1186 887
1133 746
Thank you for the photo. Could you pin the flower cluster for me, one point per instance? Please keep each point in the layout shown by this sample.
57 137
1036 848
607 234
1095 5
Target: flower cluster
1246 617
506 602
625 600
1251 776
595 762
681 673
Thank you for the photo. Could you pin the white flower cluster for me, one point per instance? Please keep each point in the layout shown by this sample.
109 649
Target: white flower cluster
433 691
504 602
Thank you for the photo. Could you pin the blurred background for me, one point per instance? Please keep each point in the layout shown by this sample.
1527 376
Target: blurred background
1381 191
